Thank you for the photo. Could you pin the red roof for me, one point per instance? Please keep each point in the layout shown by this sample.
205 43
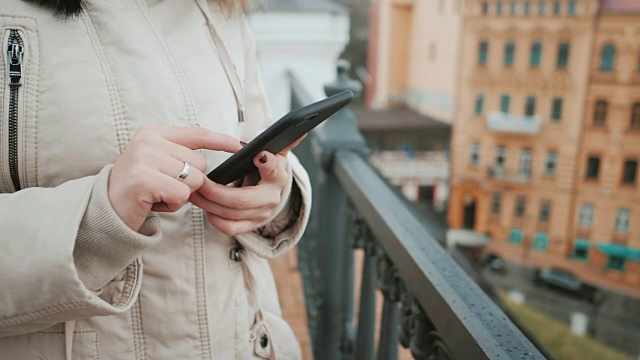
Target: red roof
620 6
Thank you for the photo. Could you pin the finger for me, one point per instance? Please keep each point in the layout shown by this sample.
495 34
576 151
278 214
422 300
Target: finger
170 192
256 215
272 168
292 146
183 153
232 227
194 137
173 168
248 197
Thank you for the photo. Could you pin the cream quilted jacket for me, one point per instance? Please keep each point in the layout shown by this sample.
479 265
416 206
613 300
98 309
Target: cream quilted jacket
75 282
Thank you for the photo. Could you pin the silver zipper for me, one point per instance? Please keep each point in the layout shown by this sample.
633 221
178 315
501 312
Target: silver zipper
15 51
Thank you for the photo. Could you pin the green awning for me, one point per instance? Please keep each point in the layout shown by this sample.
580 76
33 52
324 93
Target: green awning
619 250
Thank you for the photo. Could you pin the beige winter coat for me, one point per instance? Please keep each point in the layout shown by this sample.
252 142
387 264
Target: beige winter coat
74 280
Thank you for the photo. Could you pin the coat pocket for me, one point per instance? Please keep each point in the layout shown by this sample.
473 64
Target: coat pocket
18 106
274 334
49 345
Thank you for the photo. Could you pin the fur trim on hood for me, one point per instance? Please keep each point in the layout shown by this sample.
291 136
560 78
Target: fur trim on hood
62 8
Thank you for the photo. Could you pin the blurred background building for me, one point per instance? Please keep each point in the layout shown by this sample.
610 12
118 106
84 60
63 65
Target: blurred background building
545 144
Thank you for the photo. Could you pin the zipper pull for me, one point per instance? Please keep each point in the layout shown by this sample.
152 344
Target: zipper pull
15 64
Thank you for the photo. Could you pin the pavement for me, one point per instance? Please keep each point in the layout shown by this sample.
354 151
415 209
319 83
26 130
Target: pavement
615 321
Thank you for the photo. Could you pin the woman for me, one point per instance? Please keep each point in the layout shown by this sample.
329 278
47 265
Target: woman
113 111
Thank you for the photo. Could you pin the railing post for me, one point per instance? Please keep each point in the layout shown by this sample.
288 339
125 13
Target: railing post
392 287
365 338
339 133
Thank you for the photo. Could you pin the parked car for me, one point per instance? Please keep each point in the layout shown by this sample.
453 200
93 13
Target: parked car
568 283
495 263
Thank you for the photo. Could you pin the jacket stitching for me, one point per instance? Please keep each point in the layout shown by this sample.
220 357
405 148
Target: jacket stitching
175 69
57 307
114 91
196 214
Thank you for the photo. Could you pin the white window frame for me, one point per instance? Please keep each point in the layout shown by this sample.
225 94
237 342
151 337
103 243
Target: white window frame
475 155
586 216
623 220
551 157
524 168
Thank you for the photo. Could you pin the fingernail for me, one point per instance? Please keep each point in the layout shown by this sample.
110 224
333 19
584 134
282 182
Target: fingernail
263 159
243 143
196 125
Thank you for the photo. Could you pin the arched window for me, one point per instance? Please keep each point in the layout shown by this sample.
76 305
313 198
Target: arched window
608 58
600 113
635 116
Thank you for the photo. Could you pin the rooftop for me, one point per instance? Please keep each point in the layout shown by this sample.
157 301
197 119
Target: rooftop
304 6
399 118
619 6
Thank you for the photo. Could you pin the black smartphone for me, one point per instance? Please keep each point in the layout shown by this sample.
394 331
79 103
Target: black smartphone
278 136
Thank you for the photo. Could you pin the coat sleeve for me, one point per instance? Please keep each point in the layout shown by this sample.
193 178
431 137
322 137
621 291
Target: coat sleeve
287 223
65 255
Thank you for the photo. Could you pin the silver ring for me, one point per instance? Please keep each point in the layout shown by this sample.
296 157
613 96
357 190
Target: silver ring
185 171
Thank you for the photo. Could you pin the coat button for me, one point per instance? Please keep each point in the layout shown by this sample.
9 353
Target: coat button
236 254
264 340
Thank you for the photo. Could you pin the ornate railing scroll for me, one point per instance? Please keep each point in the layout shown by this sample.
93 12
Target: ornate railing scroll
430 305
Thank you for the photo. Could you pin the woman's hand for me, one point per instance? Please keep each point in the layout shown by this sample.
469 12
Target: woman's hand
238 210
145 177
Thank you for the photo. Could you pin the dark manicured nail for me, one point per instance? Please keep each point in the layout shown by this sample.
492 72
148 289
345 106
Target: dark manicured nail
243 143
263 159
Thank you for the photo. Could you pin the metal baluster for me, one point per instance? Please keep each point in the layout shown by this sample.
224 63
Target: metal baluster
365 338
391 285
347 329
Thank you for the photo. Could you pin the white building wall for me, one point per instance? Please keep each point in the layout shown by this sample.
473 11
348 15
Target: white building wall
307 43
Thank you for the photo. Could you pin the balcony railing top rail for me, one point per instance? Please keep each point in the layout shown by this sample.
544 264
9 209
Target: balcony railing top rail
430 305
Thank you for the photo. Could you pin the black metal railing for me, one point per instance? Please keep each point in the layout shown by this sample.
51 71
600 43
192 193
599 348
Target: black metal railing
430 305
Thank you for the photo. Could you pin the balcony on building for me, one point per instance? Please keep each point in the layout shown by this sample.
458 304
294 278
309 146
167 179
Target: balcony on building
502 122
499 173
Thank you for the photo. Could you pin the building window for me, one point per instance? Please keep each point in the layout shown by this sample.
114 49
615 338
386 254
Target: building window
635 116
630 171
485 8
545 211
536 54
572 7
527 7
556 7
516 236
563 55
550 163
479 106
530 107
475 155
593 167
520 205
496 200
586 216
616 263
499 8
501 156
504 103
509 53
540 242
524 169
623 218
600 113
483 52
556 109
580 249
607 58
514 6
541 5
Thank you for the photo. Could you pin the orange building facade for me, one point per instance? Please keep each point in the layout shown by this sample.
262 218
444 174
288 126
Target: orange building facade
546 140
